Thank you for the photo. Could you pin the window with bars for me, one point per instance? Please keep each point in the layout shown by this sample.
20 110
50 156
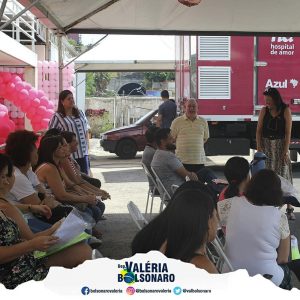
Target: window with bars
214 48
214 82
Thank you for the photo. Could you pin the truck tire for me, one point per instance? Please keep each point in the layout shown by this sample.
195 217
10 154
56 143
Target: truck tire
126 149
293 155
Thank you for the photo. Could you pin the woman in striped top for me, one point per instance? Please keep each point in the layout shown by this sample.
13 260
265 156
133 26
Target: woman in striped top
69 118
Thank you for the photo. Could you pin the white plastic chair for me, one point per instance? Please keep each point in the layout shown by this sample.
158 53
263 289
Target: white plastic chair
218 256
165 196
174 187
150 192
136 215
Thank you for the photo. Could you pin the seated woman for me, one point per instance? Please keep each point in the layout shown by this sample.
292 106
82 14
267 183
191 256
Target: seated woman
72 168
69 166
51 152
21 148
237 175
17 242
184 228
257 232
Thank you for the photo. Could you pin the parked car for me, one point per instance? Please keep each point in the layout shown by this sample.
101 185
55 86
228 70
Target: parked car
126 141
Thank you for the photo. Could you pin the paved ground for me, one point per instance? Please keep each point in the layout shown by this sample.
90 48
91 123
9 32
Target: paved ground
125 181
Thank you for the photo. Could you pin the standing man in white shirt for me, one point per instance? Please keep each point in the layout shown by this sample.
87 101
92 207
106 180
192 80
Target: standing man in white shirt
190 132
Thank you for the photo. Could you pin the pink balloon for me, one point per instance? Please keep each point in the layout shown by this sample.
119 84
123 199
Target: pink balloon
50 105
4 130
41 110
2 115
31 112
16 78
36 102
23 94
33 93
44 101
44 123
28 86
6 76
2 86
41 93
11 125
49 113
3 108
20 86
25 103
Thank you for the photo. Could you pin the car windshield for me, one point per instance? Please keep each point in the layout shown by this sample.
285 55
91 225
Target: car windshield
145 117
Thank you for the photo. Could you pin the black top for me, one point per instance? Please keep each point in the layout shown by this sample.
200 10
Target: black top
274 127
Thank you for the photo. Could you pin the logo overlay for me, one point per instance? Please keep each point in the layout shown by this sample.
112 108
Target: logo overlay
177 290
144 272
85 290
130 290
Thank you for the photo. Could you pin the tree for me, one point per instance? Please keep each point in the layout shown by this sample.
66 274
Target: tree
102 80
151 77
90 88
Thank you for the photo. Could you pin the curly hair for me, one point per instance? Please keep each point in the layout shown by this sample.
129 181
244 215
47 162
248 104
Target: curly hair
19 146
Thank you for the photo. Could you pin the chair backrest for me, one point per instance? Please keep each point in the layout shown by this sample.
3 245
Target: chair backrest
161 188
174 187
136 215
218 256
149 175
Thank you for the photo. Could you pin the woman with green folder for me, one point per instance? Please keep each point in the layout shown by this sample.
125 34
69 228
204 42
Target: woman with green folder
17 242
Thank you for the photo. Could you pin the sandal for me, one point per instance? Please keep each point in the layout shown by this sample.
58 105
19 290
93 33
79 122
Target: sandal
290 214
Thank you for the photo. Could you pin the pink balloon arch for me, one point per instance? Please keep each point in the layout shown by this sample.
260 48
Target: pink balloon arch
31 101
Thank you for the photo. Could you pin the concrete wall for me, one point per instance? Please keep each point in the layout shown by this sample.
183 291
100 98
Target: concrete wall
124 110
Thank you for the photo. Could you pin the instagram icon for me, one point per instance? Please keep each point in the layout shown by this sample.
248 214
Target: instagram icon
130 290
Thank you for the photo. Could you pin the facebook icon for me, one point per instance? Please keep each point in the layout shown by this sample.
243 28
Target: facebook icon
85 290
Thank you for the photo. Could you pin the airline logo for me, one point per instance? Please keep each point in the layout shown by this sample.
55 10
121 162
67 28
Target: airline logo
282 84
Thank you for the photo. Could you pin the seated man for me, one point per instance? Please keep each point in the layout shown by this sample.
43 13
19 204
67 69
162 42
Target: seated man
149 151
168 167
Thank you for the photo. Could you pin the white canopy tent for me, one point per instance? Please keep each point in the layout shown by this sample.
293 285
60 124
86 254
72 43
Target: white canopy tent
133 53
278 17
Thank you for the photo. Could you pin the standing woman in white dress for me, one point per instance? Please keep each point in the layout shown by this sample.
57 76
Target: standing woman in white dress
69 118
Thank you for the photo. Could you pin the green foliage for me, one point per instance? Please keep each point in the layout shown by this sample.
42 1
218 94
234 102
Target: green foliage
90 88
150 77
96 83
100 124
102 80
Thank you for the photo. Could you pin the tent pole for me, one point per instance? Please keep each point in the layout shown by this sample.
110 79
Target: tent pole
92 47
60 62
2 8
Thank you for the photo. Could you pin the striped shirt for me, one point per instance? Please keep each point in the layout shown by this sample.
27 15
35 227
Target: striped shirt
79 126
190 137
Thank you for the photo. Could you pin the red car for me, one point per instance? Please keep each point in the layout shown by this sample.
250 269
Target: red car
126 141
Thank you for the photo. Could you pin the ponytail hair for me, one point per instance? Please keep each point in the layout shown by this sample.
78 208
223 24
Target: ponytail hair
236 171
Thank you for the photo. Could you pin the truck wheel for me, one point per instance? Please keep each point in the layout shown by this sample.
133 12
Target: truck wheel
293 155
126 149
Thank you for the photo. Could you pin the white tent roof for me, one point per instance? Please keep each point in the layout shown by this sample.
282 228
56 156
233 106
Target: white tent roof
134 53
170 17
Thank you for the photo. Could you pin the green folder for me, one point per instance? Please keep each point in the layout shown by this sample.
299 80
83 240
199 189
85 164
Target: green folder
79 238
